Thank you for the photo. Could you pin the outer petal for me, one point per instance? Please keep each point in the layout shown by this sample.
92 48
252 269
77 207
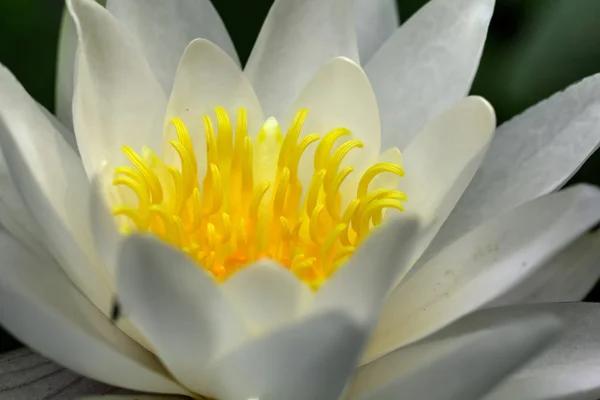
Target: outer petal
16 218
375 21
117 99
532 154
311 359
297 38
27 375
163 29
569 276
427 65
207 77
360 286
483 265
339 95
568 369
67 133
34 294
178 307
441 162
438 370
65 70
53 186
267 295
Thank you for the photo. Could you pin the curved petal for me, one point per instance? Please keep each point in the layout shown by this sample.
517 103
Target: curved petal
359 287
311 359
117 99
532 154
441 162
427 65
53 186
15 218
178 307
65 70
569 276
207 70
181 20
34 294
568 369
297 38
267 295
482 265
27 375
105 233
375 21
67 133
437 369
339 95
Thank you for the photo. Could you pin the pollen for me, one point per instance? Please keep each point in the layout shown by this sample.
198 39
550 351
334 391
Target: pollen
254 199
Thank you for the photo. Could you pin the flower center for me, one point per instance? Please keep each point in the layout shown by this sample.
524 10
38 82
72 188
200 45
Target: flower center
251 203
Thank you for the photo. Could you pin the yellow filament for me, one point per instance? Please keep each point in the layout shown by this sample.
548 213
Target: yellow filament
225 220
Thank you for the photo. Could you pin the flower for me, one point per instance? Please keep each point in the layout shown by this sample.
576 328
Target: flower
243 293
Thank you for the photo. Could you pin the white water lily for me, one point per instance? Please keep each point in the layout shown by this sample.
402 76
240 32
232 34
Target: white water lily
272 291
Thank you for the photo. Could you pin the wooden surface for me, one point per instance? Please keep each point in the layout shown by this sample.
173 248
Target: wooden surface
25 375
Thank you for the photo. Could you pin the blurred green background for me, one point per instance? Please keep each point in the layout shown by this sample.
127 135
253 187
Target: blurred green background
534 48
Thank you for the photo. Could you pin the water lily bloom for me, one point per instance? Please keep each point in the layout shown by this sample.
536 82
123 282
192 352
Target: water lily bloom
318 225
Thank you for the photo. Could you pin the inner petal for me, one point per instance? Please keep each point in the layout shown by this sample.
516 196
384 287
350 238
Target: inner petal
250 203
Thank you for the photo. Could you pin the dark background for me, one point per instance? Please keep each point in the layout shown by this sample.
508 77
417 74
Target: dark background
534 48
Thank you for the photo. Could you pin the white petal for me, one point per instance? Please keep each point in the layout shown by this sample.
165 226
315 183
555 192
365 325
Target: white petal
43 309
65 70
53 186
439 369
179 308
375 21
67 133
311 359
105 232
117 99
441 161
266 294
531 155
339 95
15 218
427 65
568 369
483 265
206 69
569 276
163 29
359 287
297 38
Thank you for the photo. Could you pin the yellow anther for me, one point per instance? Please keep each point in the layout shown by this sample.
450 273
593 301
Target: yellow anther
332 191
297 153
212 152
225 222
324 148
280 192
314 224
247 176
225 133
313 191
374 207
290 140
257 199
338 156
148 174
132 214
372 172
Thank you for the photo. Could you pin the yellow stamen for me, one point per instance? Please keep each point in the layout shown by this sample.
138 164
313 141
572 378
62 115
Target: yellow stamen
225 220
